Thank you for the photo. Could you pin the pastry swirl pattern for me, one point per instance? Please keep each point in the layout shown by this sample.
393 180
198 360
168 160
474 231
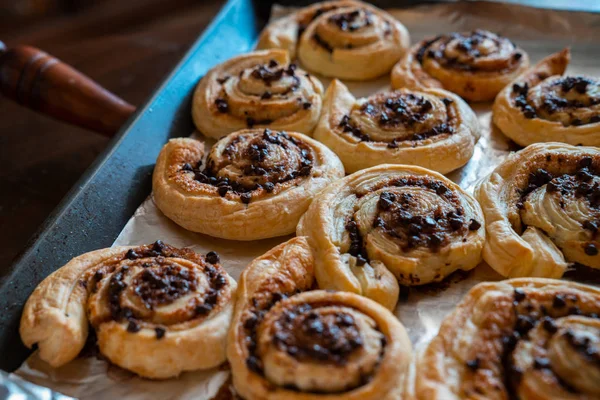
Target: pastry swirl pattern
253 184
475 65
525 339
390 224
156 310
289 341
259 89
542 207
432 128
342 39
543 105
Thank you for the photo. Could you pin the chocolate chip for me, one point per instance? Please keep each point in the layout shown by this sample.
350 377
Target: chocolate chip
456 223
519 294
524 324
222 105
269 186
212 257
474 364
590 249
254 364
386 199
159 247
273 63
541 363
160 332
474 225
559 301
203 309
187 167
360 260
133 326
591 225
549 325
306 105
266 95
245 198
223 190
131 254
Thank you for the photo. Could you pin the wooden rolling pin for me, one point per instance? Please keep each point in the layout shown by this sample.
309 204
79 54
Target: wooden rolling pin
39 81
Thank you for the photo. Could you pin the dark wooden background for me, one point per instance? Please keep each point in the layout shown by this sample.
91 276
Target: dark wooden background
127 47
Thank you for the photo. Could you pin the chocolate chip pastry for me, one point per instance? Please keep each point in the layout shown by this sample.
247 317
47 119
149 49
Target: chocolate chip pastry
390 224
432 128
526 339
475 65
156 310
542 210
259 89
341 39
289 341
254 183
543 105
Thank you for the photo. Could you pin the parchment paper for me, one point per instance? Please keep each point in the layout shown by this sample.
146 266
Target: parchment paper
539 32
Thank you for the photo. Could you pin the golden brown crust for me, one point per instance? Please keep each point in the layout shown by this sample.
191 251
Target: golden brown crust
258 89
344 39
475 65
388 223
431 128
541 210
521 338
290 342
157 310
254 184
543 106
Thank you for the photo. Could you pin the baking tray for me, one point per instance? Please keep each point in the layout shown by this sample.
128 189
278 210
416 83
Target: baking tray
100 204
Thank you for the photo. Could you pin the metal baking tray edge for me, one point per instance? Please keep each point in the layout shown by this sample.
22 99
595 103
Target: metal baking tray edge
94 212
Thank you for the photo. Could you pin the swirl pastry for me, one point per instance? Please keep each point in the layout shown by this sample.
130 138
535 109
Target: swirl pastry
392 219
543 106
288 342
475 65
432 128
156 310
254 184
526 339
542 210
259 89
341 39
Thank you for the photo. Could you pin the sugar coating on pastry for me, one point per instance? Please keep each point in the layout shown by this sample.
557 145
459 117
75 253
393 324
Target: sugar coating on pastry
390 224
475 65
253 184
432 128
156 310
343 39
542 207
527 338
544 105
258 89
289 341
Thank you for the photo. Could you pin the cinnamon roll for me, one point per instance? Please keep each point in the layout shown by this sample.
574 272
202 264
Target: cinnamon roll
475 65
542 210
254 184
259 89
344 39
543 106
527 339
432 128
156 310
392 220
290 342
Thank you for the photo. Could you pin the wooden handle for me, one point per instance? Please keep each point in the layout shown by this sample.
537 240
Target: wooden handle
41 82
